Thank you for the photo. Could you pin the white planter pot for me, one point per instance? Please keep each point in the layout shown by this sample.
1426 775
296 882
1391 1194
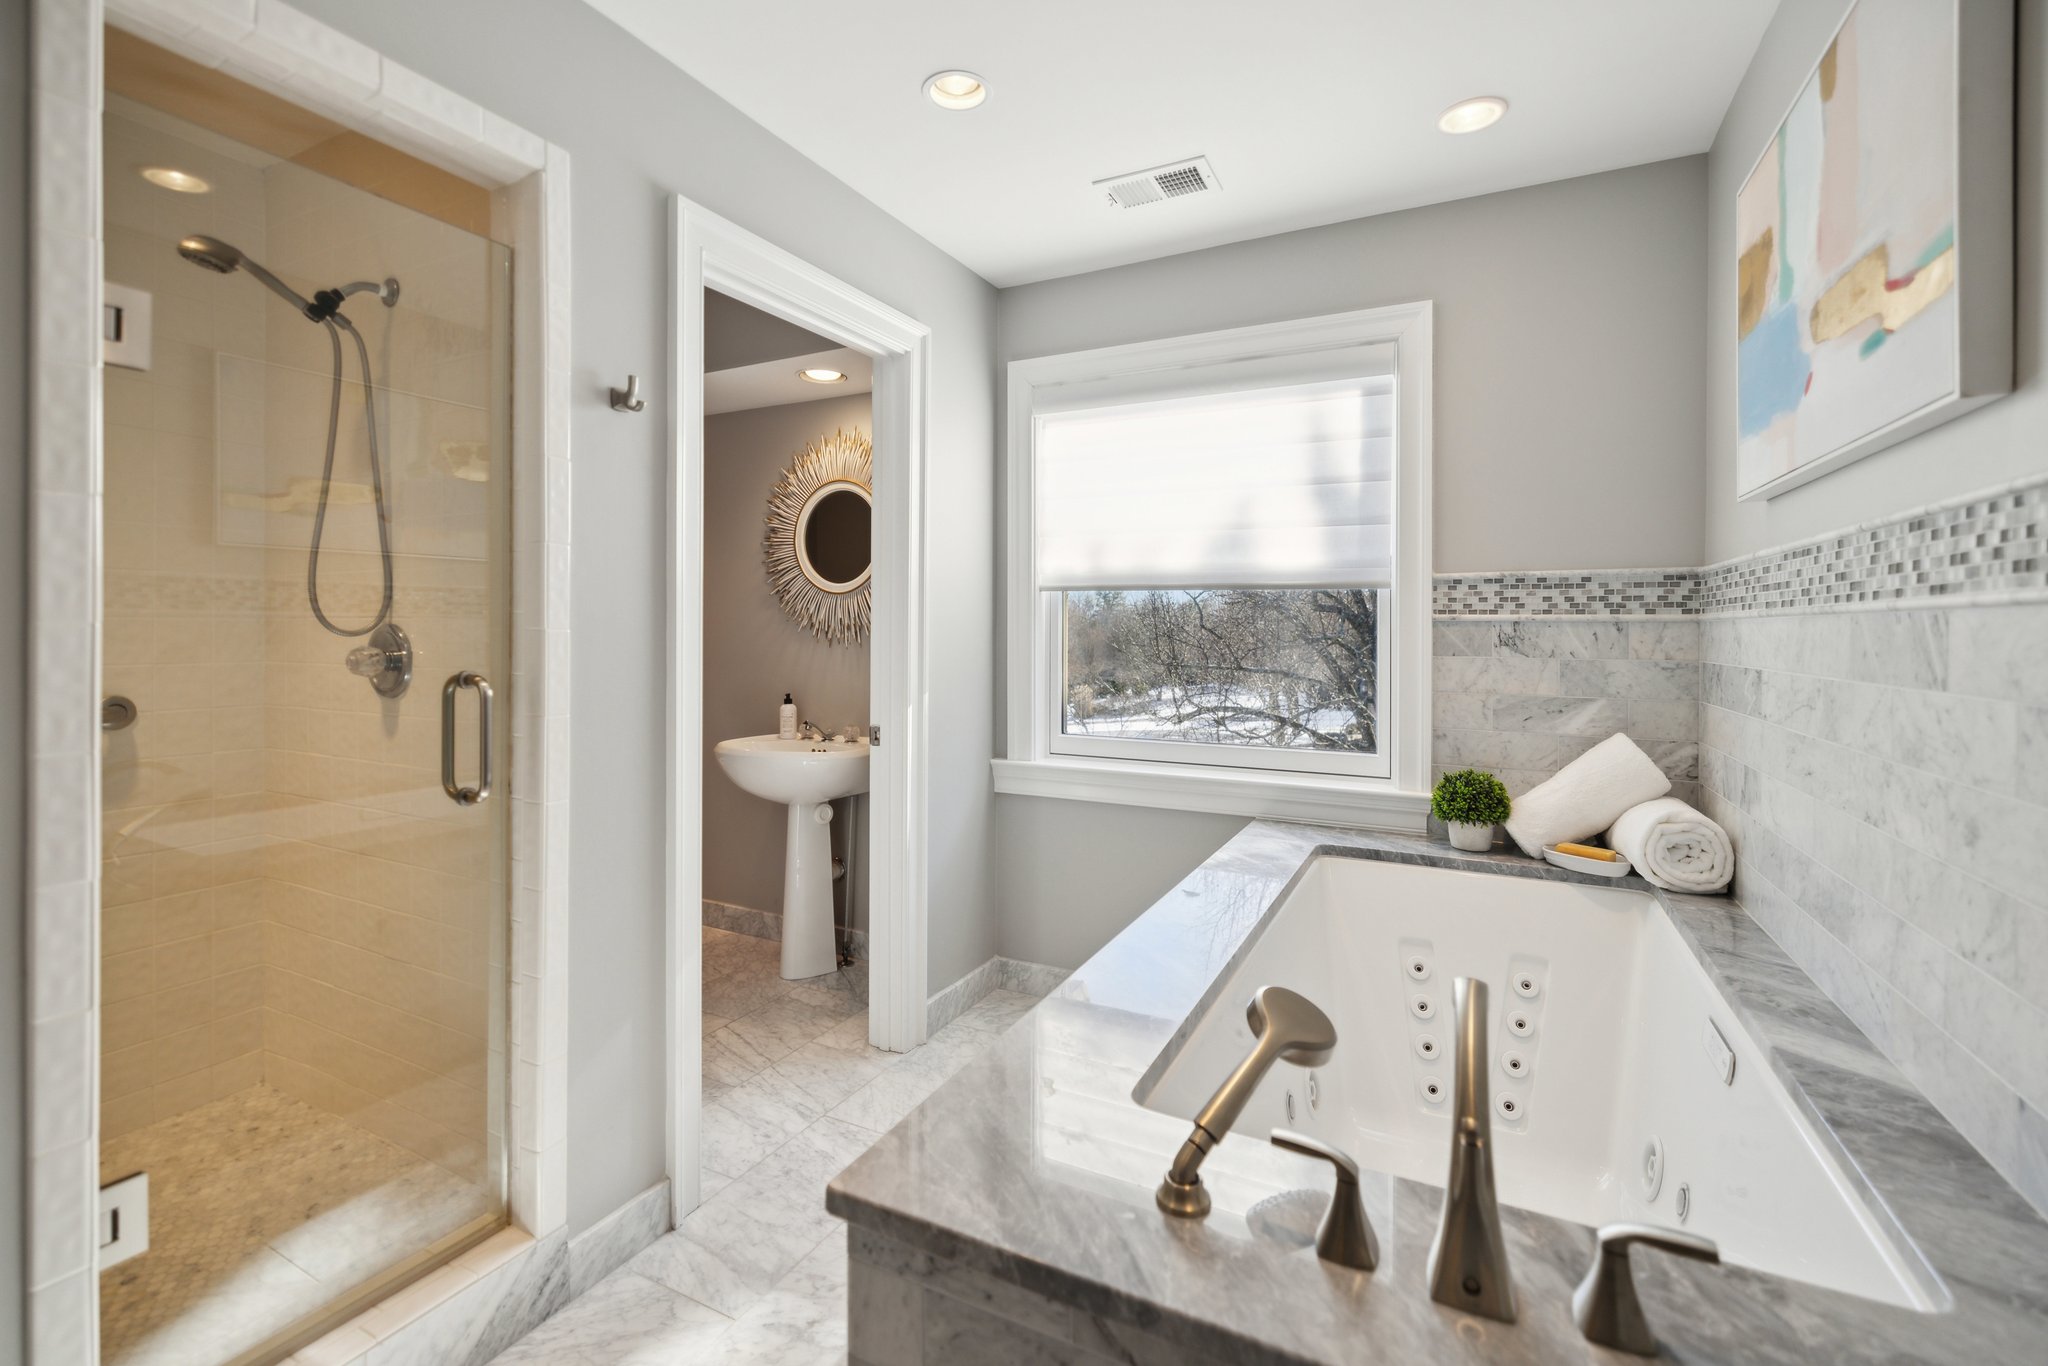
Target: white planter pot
1474 839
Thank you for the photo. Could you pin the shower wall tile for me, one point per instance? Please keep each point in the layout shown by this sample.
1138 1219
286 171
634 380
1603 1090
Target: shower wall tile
181 791
381 893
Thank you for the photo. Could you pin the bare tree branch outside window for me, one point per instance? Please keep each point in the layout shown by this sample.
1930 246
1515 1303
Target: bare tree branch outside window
1281 668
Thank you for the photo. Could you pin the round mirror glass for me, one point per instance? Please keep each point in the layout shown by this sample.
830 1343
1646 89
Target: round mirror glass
836 537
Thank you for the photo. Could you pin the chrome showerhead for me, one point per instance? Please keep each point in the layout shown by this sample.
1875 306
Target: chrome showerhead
210 253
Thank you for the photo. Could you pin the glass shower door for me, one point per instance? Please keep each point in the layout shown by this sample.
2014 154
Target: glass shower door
303 935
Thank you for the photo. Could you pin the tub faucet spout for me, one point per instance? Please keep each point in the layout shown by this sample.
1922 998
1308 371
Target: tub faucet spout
1285 1025
1468 1261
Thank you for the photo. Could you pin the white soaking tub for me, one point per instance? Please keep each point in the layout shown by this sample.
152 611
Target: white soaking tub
1609 1069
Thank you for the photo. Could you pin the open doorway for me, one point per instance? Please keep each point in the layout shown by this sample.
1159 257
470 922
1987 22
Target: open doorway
788 583
798 869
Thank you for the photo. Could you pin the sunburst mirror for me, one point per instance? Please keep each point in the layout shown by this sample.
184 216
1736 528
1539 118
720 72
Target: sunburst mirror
820 538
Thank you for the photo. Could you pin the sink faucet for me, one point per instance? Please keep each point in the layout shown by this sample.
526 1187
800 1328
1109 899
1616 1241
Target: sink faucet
1468 1261
1285 1025
807 730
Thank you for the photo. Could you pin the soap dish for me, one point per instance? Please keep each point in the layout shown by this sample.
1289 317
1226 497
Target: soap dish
1577 864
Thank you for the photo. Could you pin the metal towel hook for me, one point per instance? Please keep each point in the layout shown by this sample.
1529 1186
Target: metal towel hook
628 400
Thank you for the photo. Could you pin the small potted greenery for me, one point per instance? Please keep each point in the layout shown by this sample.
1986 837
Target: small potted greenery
1470 803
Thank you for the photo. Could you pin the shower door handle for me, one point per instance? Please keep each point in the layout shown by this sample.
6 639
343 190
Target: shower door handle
466 796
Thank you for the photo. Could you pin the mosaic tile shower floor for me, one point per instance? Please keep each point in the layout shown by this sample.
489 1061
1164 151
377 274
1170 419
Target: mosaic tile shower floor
261 1209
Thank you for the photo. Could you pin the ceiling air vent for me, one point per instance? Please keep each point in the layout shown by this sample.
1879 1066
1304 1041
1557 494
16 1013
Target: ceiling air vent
1175 180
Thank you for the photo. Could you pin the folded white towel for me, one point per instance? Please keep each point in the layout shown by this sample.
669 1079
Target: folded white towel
1674 846
1585 796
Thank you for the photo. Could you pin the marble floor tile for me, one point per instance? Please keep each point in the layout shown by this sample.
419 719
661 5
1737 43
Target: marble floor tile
729 1059
802 1321
779 1028
752 1120
733 1248
759 1254
882 1103
623 1320
829 1072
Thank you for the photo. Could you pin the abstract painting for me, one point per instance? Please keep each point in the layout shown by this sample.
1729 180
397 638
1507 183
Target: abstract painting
1847 301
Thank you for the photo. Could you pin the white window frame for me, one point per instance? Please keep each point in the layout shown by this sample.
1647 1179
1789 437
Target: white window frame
1044 762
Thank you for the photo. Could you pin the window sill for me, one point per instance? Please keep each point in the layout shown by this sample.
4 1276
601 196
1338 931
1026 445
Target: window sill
1361 803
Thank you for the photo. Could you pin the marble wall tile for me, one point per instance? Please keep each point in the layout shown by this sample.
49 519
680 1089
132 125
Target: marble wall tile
1599 716
1660 639
1523 696
1881 775
1583 638
1999 651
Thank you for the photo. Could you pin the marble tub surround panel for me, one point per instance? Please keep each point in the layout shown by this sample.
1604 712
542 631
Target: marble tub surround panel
907 1307
1881 775
1074 1221
1522 697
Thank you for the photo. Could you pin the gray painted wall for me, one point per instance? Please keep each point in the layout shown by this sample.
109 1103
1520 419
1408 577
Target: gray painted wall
753 652
639 130
1999 442
1568 350
13 654
1568 363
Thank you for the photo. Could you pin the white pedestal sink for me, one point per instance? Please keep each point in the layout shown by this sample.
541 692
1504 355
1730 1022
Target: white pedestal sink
806 774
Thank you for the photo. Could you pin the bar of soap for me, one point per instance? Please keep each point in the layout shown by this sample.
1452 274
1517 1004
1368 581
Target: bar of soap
1587 851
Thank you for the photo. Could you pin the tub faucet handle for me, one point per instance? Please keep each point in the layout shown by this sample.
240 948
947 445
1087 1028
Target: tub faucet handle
1605 1305
1346 1236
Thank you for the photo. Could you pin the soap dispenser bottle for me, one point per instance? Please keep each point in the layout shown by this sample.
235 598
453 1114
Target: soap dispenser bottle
786 727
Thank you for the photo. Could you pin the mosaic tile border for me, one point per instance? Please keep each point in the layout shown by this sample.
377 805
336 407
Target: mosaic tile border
1991 546
1569 593
1988 545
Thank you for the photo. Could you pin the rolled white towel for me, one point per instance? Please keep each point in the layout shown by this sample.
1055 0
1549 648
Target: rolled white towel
1674 846
1584 797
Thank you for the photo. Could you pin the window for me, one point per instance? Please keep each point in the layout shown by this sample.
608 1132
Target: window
1218 570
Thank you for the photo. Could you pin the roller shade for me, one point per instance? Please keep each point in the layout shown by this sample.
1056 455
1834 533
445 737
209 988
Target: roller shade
1286 487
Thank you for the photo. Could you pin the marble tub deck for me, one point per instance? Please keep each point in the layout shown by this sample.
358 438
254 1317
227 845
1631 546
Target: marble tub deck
1034 1167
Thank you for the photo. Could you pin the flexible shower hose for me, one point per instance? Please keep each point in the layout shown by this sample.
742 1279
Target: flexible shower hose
335 323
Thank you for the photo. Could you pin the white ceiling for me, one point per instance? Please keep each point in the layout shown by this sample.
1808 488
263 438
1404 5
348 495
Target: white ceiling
774 383
1311 111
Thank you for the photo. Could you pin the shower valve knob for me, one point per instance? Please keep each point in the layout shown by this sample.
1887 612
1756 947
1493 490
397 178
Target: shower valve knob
386 661
367 661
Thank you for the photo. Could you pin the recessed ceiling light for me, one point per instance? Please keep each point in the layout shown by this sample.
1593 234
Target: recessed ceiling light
184 182
1469 116
955 89
821 375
